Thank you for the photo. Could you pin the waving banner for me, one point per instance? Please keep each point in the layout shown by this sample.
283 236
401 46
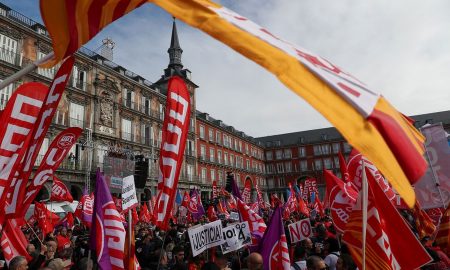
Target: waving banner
215 191
18 187
195 205
13 241
85 209
246 194
205 236
261 203
18 120
236 236
60 193
174 134
56 153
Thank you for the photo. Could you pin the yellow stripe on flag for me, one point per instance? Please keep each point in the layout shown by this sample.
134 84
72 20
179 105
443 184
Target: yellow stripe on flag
82 21
108 12
351 123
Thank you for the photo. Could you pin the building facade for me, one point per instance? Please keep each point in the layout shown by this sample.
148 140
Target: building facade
222 148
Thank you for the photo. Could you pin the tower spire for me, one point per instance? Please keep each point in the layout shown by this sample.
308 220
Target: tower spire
175 50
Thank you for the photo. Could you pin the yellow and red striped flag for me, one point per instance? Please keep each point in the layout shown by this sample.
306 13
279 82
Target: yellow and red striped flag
365 118
72 23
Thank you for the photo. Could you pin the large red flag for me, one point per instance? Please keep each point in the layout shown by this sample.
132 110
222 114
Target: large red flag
302 207
341 198
174 134
18 187
56 154
18 120
246 194
390 243
255 222
60 193
130 261
46 219
85 209
261 203
13 241
343 168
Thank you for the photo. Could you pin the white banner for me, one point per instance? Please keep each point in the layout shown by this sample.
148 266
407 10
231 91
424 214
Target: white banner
300 230
236 236
129 199
205 236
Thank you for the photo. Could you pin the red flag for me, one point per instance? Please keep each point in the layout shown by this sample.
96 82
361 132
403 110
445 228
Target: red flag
18 187
17 122
302 207
255 222
215 191
390 244
174 134
46 219
130 261
274 200
318 205
60 193
85 209
246 194
13 241
341 197
144 214
56 153
443 235
260 197
134 216
212 216
424 224
186 199
343 168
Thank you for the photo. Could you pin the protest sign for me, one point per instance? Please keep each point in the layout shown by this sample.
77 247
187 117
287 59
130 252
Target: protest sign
300 230
236 236
205 236
129 199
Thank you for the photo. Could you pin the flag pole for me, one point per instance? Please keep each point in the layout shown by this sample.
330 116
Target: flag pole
130 225
365 193
433 173
35 234
27 69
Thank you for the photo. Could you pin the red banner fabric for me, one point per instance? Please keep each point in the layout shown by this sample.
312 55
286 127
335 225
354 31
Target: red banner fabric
37 136
246 194
46 219
60 193
55 155
174 134
215 191
18 120
390 243
13 241
261 203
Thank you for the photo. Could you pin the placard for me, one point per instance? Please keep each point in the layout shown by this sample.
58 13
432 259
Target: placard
236 236
300 230
129 199
205 236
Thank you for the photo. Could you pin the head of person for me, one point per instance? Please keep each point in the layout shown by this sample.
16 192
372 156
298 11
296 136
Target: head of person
178 253
221 260
307 244
331 245
31 249
345 262
64 231
316 263
255 261
299 253
18 263
56 264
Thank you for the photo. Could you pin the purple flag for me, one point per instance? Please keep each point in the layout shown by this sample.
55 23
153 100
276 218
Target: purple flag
433 189
107 233
195 205
235 189
273 246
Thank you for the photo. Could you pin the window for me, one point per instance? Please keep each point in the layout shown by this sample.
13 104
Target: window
159 138
145 134
211 135
202 152
145 107
303 165
78 78
5 94
126 129
226 143
225 158
161 111
218 137
219 156
240 146
203 175
288 166
211 154
301 151
269 155
202 131
336 162
280 168
231 160
279 154
213 175
347 147
46 72
190 172
318 164
287 153
325 149
327 163
336 148
317 150
8 50
101 152
220 176
246 150
248 164
76 115
190 148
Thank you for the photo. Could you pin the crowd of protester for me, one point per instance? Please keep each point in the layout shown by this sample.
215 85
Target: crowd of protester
68 249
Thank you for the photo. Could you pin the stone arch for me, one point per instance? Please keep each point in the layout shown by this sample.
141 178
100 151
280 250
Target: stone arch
76 192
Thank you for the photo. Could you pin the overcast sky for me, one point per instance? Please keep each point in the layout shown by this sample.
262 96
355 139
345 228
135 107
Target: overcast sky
398 48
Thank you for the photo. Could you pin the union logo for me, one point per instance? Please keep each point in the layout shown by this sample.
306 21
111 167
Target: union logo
66 141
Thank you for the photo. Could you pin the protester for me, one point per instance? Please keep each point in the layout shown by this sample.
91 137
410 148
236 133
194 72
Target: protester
18 263
316 263
299 260
345 262
255 261
331 248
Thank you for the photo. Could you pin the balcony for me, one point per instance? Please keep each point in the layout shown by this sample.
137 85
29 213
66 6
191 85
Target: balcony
10 57
127 136
73 122
78 84
130 104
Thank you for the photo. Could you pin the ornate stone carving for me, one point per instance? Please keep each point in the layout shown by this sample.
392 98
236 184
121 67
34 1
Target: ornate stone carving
106 109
